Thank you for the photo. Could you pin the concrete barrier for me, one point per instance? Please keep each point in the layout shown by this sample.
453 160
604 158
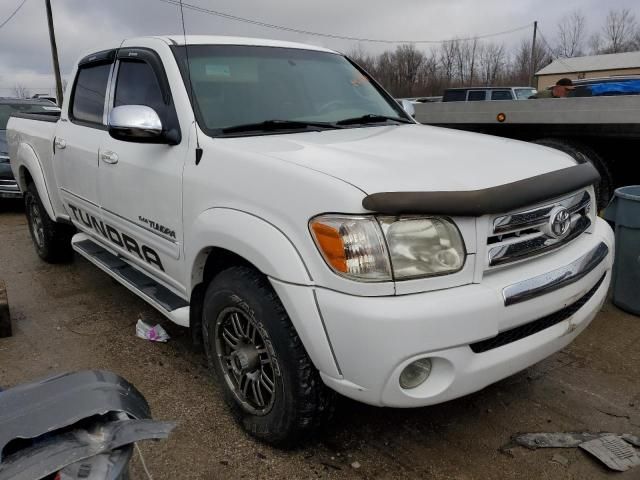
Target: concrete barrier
5 319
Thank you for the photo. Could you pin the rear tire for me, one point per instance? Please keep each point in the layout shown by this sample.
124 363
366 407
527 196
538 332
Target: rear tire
582 153
52 240
268 380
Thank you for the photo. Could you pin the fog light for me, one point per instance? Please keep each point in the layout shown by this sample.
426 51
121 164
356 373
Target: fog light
415 373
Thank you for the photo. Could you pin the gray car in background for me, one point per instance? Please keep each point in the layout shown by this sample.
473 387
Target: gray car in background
8 106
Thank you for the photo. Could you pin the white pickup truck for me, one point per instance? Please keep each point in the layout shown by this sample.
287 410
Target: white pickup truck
273 198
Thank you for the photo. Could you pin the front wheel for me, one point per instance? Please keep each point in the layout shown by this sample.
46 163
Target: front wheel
268 380
52 240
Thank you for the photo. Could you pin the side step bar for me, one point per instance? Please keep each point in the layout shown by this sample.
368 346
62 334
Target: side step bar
168 303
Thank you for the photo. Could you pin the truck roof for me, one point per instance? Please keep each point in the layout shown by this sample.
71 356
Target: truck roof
227 40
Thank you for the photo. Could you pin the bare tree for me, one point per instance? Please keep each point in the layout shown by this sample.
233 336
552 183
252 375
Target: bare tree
521 63
465 60
363 58
447 57
571 32
618 33
20 91
492 63
408 60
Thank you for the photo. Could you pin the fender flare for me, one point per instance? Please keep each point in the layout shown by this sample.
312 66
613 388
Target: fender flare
269 250
28 161
257 241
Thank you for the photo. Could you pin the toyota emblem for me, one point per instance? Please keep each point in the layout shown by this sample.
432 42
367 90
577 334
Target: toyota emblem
559 222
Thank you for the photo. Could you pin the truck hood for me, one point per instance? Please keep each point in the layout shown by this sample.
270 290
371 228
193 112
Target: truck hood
410 157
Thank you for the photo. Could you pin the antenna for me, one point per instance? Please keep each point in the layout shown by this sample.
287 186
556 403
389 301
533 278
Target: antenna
190 87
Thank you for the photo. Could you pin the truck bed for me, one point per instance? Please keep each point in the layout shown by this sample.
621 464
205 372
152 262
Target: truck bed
34 132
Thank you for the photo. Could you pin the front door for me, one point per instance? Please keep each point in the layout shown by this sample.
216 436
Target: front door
140 184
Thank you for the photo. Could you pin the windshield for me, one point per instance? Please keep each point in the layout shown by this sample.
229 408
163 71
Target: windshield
525 93
236 85
7 109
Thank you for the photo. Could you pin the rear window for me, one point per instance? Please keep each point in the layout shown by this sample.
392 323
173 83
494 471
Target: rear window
7 109
501 95
89 93
454 96
477 96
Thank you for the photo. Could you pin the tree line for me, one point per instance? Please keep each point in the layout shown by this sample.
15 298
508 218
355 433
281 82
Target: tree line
408 71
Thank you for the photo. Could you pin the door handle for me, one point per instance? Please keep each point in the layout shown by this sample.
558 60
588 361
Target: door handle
59 143
109 157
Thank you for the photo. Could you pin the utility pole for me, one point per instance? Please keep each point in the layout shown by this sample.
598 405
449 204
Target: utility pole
532 67
54 53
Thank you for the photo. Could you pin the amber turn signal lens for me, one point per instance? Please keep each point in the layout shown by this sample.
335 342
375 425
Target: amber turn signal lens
330 242
501 117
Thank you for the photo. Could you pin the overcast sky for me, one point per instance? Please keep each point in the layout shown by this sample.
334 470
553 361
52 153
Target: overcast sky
83 26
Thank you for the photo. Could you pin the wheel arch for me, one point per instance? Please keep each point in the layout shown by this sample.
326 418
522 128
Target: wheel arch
225 237
30 171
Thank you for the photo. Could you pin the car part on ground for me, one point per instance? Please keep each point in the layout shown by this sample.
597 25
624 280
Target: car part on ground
52 423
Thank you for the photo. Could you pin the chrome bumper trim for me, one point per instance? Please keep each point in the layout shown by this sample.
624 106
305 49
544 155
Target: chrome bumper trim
9 189
556 279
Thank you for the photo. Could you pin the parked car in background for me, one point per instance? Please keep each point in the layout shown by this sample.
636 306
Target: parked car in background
46 96
481 94
8 186
422 99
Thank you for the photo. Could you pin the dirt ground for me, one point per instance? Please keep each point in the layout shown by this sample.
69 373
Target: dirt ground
74 317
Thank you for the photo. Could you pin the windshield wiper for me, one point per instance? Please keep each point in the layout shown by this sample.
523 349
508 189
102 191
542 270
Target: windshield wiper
271 125
371 118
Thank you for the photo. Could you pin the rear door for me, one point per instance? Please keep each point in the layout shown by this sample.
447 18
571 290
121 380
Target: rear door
79 134
140 184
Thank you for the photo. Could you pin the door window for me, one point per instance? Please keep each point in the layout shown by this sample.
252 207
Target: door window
476 96
89 94
501 95
138 85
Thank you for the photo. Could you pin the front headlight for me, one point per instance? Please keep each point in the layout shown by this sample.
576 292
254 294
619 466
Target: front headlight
367 248
4 158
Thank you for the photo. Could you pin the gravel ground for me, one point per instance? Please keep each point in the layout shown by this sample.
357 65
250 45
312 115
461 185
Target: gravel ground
73 317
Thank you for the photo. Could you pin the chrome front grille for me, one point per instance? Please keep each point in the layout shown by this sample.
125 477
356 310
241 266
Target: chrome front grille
523 234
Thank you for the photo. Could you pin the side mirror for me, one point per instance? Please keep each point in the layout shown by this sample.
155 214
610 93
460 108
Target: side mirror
408 107
136 123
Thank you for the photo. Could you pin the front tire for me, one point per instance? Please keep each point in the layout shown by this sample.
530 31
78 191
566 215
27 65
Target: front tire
268 380
52 240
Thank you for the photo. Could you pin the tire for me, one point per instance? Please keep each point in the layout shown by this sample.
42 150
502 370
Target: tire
582 154
52 240
250 341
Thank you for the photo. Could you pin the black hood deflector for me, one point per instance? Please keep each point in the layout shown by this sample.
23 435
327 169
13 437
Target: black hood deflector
474 203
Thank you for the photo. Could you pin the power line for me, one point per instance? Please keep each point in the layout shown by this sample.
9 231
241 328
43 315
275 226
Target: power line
13 14
259 23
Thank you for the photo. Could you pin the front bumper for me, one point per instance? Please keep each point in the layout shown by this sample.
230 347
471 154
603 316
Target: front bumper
374 338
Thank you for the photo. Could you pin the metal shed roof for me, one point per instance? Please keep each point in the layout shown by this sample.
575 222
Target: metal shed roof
611 61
